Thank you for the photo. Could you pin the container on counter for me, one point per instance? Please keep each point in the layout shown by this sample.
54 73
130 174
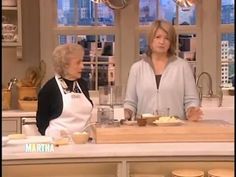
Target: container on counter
105 115
6 99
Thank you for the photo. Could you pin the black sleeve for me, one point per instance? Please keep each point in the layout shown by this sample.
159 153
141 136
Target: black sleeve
84 86
49 105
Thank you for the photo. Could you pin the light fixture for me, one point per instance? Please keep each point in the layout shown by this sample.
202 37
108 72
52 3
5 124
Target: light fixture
113 4
97 1
185 3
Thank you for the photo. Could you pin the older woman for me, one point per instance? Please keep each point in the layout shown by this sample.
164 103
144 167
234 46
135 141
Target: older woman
64 104
161 79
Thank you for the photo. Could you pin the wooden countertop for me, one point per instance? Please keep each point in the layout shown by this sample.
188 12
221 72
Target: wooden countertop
188 131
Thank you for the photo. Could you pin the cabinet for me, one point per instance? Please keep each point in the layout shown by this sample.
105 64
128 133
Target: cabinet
11 125
13 121
12 25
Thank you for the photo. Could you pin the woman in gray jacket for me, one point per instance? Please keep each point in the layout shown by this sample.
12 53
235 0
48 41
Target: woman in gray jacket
161 79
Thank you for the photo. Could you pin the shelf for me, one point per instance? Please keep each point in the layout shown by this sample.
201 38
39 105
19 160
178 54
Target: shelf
13 16
10 44
9 8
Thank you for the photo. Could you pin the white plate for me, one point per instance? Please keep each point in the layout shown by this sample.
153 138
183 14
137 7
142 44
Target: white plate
175 123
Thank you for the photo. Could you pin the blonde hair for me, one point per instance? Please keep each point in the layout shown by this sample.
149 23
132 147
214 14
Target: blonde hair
169 29
62 54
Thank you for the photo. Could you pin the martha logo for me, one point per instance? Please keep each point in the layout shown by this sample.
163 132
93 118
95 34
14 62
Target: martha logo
33 147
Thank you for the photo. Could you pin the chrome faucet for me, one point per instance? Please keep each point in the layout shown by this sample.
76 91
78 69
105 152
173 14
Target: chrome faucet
210 92
11 82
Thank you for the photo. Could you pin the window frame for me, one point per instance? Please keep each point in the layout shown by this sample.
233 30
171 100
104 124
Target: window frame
91 30
127 27
223 28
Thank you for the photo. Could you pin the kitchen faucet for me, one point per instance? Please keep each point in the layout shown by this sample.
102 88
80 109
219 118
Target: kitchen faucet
10 84
210 92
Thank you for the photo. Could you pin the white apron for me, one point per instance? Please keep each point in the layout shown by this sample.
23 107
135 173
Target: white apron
76 113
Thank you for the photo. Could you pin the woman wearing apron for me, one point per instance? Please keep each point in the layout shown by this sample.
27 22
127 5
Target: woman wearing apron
64 104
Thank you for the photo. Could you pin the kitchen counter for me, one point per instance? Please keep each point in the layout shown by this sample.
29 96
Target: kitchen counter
18 113
119 160
224 149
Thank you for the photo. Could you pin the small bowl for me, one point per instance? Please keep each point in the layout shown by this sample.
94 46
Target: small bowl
80 138
141 122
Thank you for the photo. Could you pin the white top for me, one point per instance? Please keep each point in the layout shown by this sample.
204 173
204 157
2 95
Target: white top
177 89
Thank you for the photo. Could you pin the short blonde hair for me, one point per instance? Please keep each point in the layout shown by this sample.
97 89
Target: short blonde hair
63 53
169 29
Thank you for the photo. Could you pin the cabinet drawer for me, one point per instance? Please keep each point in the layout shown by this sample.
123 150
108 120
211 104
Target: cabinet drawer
11 125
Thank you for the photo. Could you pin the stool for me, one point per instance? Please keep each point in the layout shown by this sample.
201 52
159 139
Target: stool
146 175
221 172
187 173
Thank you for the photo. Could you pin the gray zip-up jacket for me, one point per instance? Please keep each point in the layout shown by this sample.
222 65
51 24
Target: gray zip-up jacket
177 89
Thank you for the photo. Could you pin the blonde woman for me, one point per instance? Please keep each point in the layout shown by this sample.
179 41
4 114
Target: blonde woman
64 104
161 79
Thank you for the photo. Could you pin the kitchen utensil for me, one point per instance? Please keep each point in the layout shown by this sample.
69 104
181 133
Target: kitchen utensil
88 125
6 99
164 111
10 84
105 115
42 71
33 76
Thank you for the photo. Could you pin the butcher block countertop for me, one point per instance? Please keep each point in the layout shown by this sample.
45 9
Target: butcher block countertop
202 131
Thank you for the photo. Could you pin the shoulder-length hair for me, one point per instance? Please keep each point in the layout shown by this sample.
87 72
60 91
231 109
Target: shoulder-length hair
63 53
169 29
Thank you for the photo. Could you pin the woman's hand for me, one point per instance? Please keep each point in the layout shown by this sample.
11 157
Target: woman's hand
194 114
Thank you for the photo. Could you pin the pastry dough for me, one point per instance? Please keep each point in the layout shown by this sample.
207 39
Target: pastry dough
167 119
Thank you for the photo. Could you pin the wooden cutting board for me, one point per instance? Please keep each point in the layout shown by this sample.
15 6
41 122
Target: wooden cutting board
202 131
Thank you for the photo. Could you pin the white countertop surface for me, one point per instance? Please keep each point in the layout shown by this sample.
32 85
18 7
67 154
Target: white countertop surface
18 113
16 151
